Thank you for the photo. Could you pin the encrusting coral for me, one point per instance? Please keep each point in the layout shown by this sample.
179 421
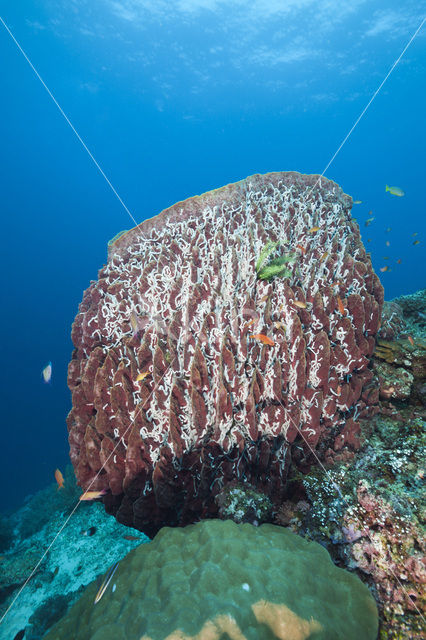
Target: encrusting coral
190 371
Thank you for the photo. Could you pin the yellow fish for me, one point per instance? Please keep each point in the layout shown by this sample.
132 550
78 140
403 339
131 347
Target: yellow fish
142 376
395 191
313 229
357 201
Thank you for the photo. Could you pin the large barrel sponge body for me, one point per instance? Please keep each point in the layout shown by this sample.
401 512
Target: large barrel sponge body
218 579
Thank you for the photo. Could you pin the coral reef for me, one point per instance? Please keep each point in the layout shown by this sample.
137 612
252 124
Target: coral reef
73 561
242 503
226 338
218 579
369 513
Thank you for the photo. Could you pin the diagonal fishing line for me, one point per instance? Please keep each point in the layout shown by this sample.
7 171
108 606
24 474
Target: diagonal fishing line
345 139
168 368
99 168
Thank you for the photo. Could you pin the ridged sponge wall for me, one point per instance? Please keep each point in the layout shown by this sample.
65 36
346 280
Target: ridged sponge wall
192 369
217 580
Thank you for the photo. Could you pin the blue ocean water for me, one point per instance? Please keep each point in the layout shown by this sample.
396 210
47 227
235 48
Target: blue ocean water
175 99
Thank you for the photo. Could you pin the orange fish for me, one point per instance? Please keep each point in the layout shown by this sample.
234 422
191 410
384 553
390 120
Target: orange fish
313 229
264 299
262 338
416 242
250 322
302 249
399 261
385 268
300 304
339 390
368 239
324 255
92 495
411 341
59 479
340 306
142 376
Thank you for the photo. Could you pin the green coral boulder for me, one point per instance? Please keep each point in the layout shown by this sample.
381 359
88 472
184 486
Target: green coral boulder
218 580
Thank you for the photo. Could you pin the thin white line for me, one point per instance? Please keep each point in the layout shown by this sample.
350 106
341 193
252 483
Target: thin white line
373 96
139 408
67 119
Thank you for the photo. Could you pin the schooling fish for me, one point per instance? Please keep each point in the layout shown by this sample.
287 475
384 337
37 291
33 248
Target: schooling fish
59 479
142 376
395 191
92 495
340 306
262 338
47 373
300 304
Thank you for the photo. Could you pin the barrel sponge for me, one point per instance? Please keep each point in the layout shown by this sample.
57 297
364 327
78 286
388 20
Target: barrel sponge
218 580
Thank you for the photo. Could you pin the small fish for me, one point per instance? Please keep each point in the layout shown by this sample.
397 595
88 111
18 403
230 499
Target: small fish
339 390
369 221
385 268
410 340
59 479
395 191
47 373
250 322
399 261
416 233
92 495
142 376
313 229
89 532
324 256
357 201
302 249
300 304
387 243
106 582
386 258
279 325
340 306
263 339
137 322
416 242
388 229
264 299
368 239
132 538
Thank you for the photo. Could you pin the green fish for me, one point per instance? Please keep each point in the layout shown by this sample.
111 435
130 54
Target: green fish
395 191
